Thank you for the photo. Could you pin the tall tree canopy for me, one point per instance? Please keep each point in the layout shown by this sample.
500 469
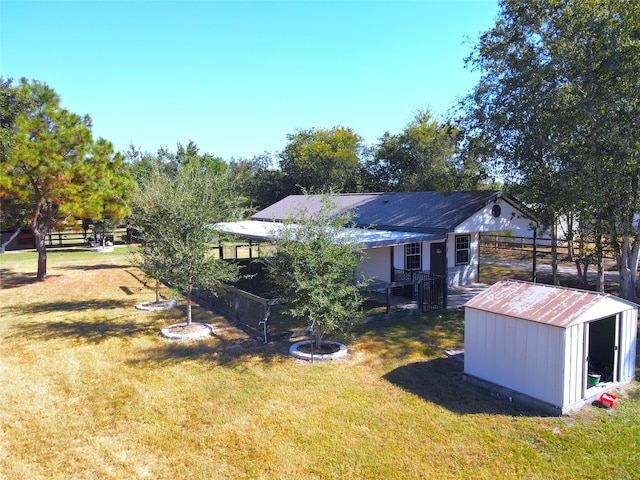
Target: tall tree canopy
314 269
55 172
419 158
174 216
423 157
259 180
557 110
320 159
13 101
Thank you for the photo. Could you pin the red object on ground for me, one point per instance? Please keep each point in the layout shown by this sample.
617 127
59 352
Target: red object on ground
608 400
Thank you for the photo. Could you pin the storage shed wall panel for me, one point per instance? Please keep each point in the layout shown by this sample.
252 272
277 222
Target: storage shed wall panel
627 345
574 373
517 354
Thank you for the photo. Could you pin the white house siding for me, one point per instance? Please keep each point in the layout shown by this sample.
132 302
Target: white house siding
377 264
509 219
398 257
463 274
517 354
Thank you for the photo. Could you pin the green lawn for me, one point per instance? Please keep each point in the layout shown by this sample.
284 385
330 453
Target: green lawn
89 390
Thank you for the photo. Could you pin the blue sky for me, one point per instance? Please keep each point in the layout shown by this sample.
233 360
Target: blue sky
236 77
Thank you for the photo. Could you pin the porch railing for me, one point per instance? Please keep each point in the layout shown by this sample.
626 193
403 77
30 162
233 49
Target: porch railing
428 289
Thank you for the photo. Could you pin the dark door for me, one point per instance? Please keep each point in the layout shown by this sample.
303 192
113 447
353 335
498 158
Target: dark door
439 259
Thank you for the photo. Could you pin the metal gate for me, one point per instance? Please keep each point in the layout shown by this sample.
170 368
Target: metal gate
429 290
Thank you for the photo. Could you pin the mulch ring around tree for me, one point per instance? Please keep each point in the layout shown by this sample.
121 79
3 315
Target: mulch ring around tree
328 350
185 331
154 306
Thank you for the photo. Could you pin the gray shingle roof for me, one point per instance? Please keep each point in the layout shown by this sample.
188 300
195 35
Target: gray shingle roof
429 212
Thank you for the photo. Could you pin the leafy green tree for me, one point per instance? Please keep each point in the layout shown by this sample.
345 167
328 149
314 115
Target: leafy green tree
147 220
556 111
174 217
13 102
57 172
318 159
259 181
423 157
314 270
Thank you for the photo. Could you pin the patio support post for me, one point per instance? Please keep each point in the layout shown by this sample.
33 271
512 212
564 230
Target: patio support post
388 297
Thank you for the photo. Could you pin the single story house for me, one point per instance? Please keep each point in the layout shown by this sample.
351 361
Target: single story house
555 348
431 232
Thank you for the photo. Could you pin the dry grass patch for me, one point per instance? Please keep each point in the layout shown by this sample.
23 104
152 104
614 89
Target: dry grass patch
90 390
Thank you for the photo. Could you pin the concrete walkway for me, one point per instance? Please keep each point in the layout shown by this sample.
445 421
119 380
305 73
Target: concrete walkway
458 296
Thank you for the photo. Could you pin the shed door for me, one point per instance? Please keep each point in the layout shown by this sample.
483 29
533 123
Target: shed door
602 350
438 259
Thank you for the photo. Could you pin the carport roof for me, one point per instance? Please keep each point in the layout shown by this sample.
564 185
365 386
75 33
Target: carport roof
265 231
548 304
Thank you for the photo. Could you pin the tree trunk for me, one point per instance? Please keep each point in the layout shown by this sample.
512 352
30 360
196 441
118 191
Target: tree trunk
628 269
600 261
157 291
318 334
40 239
570 237
42 259
40 234
189 307
582 265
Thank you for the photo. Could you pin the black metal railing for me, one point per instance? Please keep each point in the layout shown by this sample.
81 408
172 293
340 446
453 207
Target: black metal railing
429 290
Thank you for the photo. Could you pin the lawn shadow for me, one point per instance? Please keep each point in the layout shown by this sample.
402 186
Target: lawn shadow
10 279
440 381
100 266
90 331
70 306
221 352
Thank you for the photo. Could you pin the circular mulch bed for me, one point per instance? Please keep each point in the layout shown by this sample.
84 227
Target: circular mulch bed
185 331
155 306
328 350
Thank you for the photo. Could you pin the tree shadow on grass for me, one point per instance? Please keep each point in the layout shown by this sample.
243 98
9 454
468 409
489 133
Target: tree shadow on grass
221 352
10 279
95 326
100 266
440 381
90 331
70 306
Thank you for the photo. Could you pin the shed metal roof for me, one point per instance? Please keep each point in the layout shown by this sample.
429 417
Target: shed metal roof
265 231
548 304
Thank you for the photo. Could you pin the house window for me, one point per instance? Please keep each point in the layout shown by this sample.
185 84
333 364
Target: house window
413 256
462 249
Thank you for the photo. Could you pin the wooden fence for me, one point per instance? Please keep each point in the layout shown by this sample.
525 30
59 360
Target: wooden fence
542 245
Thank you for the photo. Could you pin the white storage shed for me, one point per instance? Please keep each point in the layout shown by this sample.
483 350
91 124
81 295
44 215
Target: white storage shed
555 348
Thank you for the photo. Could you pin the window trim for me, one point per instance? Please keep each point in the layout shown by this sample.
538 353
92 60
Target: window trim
459 250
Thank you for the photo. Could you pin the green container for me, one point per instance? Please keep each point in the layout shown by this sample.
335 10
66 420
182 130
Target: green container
593 380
